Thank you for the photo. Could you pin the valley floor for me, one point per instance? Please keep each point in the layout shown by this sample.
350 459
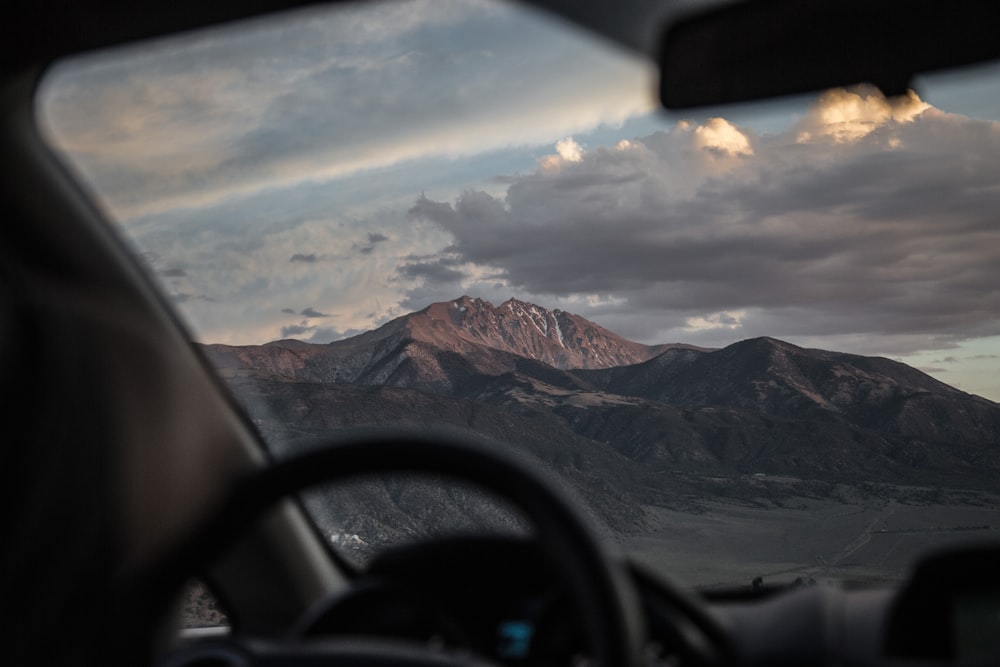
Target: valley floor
869 540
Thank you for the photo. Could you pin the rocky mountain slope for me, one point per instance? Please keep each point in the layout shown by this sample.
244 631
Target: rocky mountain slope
628 425
429 348
777 379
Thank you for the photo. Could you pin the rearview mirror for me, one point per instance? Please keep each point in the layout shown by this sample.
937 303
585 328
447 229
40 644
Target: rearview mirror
767 48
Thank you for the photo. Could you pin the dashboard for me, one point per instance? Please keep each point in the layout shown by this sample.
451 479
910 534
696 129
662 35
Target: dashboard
501 598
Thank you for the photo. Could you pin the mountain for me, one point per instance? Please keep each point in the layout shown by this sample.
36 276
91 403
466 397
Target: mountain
774 378
627 425
553 337
445 346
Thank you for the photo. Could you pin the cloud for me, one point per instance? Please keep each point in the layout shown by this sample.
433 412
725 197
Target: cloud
567 151
295 330
373 239
714 321
946 360
185 297
792 236
311 312
315 334
435 272
196 122
289 311
310 258
847 115
721 136
328 335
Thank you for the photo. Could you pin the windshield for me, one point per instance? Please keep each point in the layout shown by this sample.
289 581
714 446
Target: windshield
759 343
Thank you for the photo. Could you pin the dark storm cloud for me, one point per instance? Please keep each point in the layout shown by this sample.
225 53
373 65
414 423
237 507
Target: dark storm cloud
434 272
312 312
295 330
892 230
374 238
430 279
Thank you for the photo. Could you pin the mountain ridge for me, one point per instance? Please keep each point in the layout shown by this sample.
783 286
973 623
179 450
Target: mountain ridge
682 424
495 336
419 350
556 337
469 349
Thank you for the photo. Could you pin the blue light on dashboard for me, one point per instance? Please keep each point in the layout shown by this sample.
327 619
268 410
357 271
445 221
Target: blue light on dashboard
514 639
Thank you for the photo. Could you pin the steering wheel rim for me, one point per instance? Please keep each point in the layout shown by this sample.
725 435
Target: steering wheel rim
609 607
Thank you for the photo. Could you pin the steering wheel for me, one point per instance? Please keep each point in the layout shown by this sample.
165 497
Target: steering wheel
608 605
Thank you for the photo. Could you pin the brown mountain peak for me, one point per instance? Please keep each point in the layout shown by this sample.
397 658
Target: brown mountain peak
554 337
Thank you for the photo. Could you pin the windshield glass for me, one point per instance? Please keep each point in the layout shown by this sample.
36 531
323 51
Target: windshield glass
755 343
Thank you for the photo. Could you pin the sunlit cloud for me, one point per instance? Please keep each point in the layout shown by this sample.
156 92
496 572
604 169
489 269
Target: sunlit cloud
727 320
846 115
569 150
718 134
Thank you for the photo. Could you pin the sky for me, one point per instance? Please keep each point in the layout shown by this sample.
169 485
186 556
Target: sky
317 177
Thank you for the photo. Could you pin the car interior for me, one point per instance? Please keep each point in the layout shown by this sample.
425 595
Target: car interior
128 469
